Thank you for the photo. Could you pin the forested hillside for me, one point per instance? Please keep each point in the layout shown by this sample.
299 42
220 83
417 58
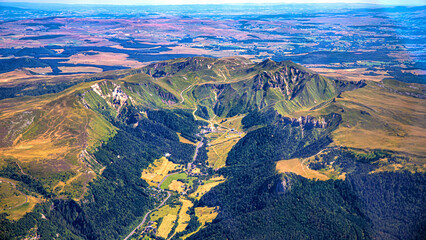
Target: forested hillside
205 148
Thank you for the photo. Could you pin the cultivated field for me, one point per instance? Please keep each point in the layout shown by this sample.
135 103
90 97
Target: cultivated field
158 170
177 186
206 186
176 177
183 216
168 215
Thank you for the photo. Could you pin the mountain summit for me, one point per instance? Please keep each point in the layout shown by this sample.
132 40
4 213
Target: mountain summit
201 139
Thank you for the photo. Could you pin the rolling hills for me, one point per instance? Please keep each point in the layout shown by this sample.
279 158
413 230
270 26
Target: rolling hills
82 145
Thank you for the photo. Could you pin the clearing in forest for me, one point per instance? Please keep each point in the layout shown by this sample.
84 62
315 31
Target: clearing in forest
297 166
184 140
183 216
205 214
177 186
167 216
220 146
166 225
175 177
206 186
158 170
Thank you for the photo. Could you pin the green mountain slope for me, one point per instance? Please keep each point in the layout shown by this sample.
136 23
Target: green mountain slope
83 151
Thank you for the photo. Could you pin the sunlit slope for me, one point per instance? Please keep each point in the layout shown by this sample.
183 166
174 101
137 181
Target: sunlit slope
380 116
48 136
52 137
376 118
231 86
59 131
382 123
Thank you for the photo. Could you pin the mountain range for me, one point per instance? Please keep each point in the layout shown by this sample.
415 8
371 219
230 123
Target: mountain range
269 150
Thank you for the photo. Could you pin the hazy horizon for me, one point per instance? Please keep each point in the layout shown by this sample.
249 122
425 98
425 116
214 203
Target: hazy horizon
225 2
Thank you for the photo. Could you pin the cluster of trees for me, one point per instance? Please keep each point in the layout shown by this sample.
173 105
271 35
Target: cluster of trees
202 112
355 161
252 208
58 219
118 197
10 64
11 170
193 225
394 202
255 118
257 203
178 120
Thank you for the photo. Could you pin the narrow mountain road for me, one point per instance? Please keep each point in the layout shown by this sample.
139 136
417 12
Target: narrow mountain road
181 93
22 171
164 178
147 214
200 144
193 113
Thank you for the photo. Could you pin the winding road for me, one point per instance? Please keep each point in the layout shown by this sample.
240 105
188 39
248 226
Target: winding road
146 215
164 178
168 193
181 93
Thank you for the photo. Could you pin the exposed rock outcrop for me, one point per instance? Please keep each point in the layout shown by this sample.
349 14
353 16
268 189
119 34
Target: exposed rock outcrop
289 79
114 95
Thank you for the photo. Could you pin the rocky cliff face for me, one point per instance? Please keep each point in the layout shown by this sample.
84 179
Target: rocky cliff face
283 186
306 122
289 79
112 93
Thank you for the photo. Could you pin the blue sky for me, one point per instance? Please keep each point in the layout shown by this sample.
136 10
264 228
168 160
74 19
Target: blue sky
172 2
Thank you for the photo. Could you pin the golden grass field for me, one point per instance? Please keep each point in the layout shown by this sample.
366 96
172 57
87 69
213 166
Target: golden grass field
76 186
206 186
205 214
163 211
220 146
56 129
40 70
183 216
177 186
14 202
19 75
296 165
158 170
393 167
351 74
17 213
184 140
104 58
169 215
234 122
80 69
373 118
9 195
195 170
398 122
166 225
